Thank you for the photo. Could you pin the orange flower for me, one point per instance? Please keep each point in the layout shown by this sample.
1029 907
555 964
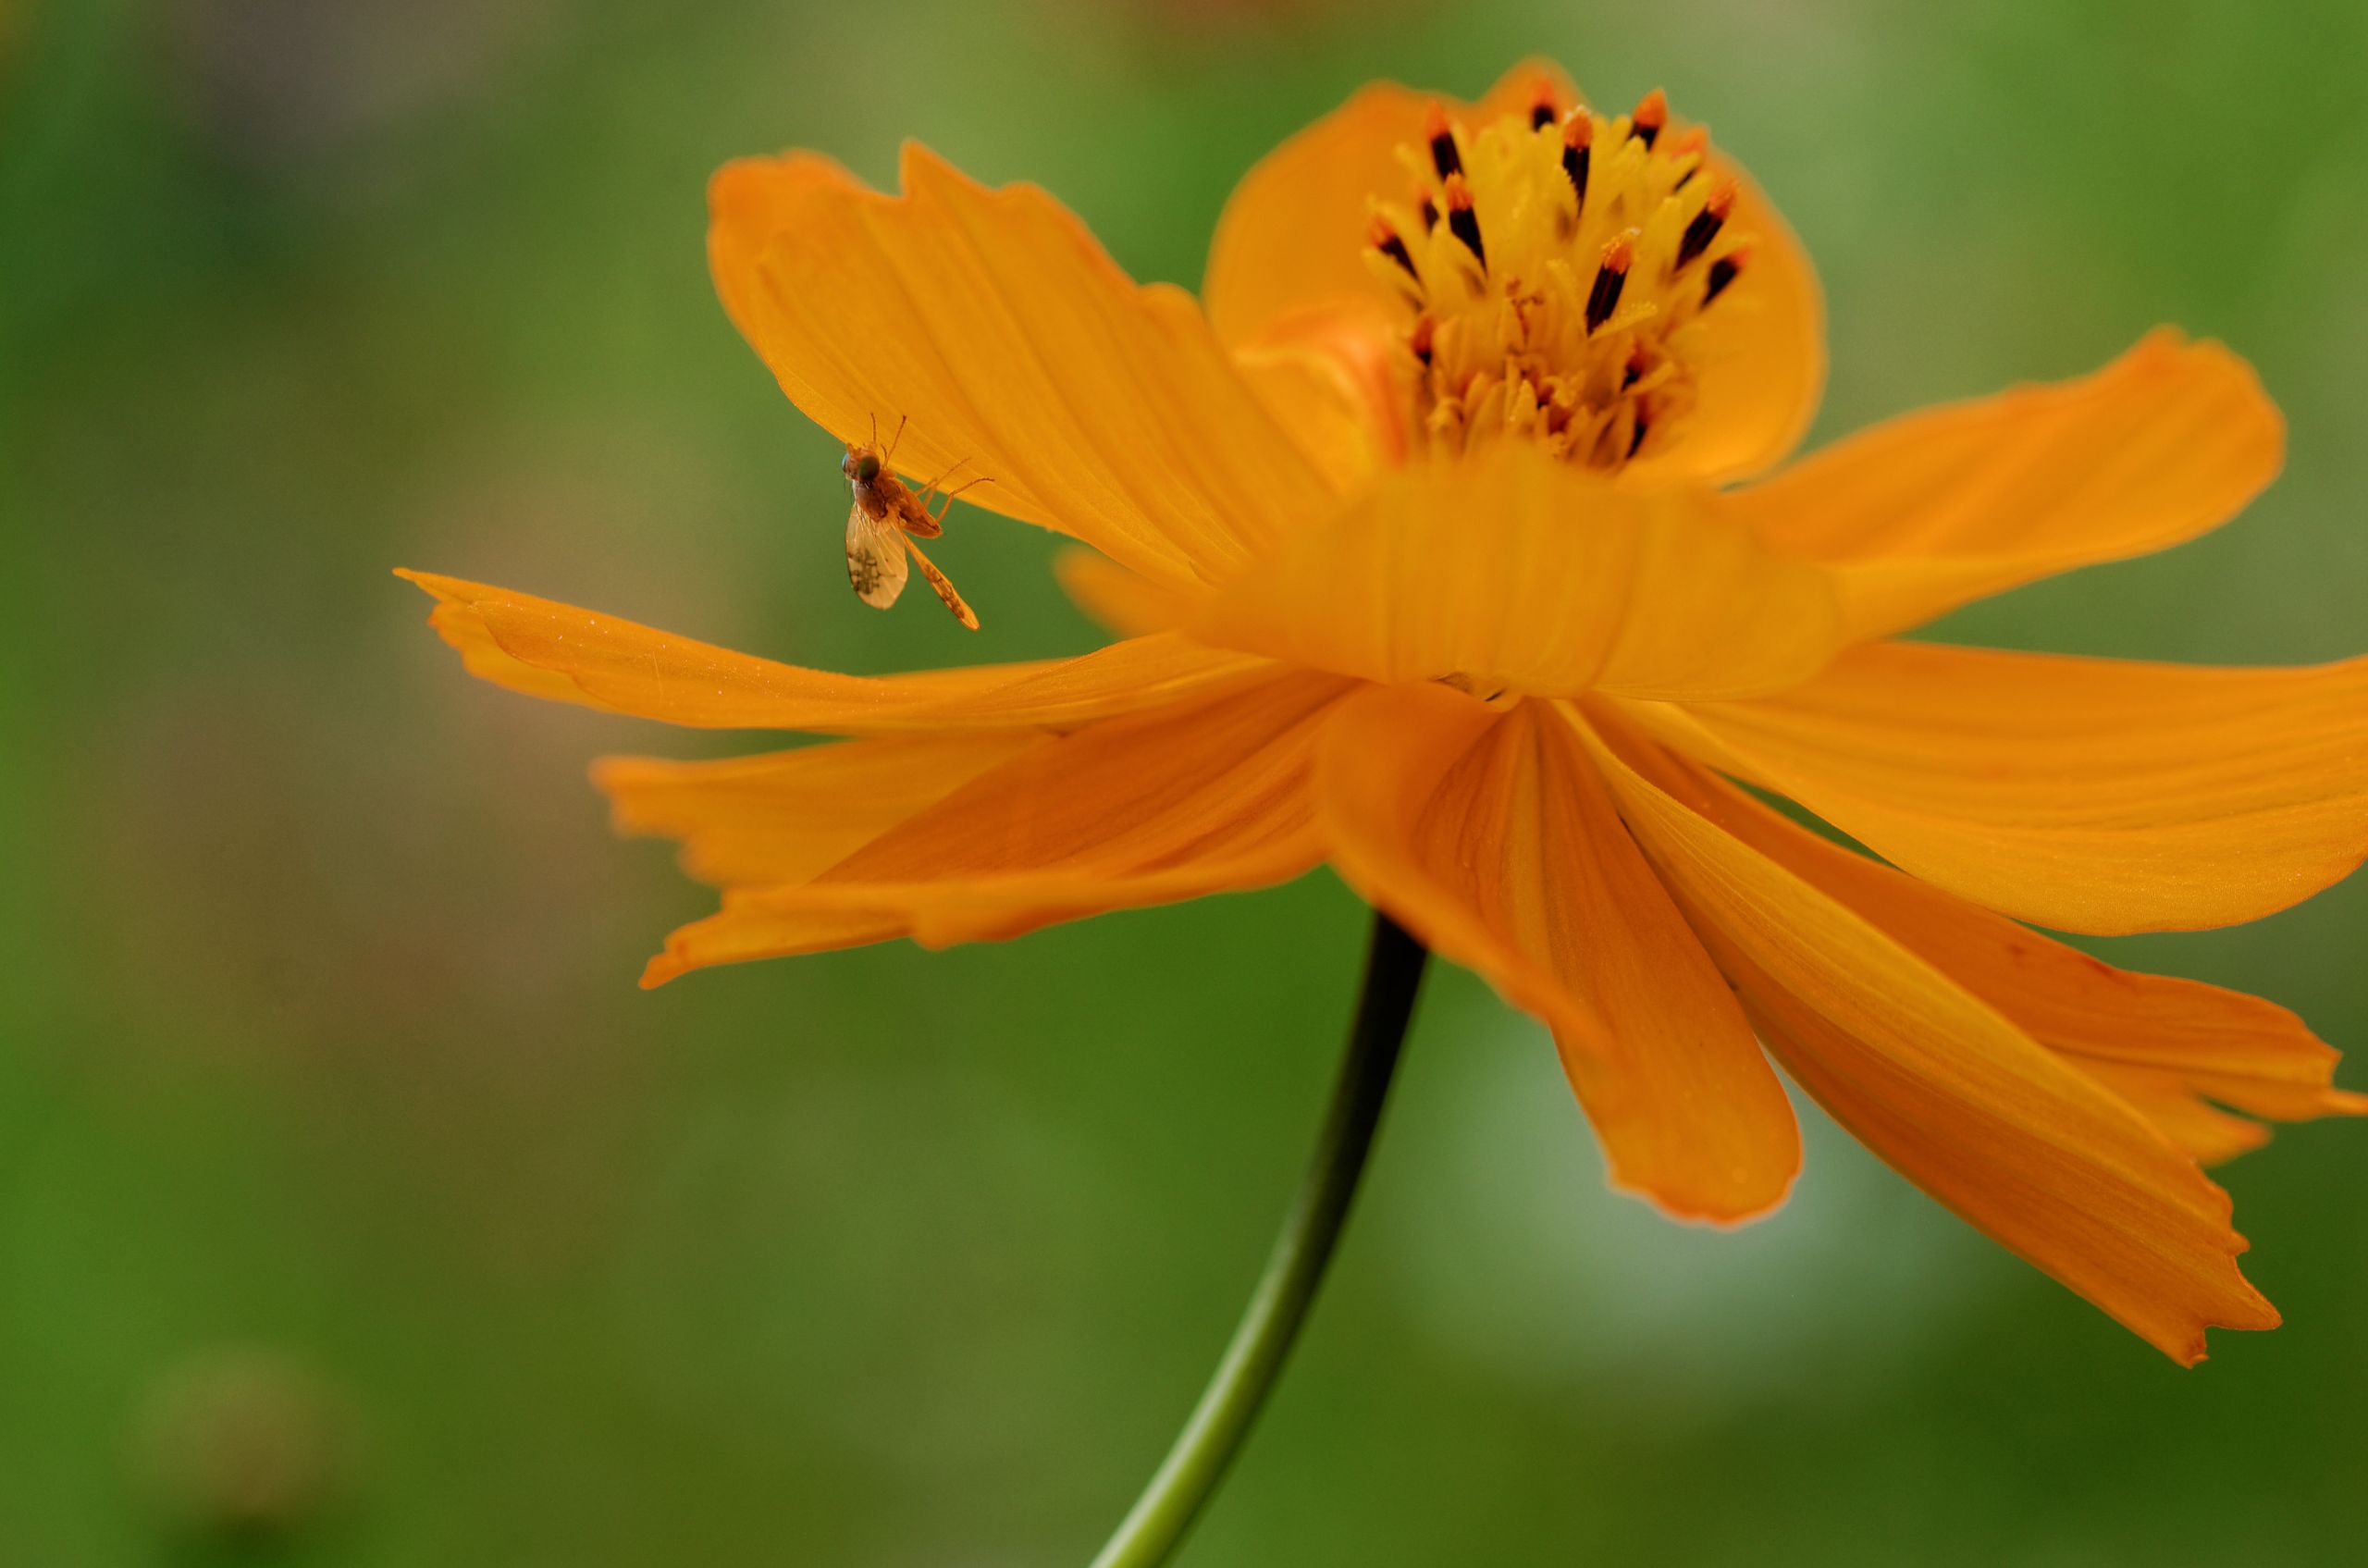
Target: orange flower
1423 526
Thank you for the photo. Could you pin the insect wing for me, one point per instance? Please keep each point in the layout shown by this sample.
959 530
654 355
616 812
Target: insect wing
875 556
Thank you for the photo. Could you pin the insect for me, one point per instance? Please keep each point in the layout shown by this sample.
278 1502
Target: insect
886 520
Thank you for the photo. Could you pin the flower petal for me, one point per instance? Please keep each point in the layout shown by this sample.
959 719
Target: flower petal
1292 243
1120 601
1952 504
994 323
1490 836
789 816
2180 1112
2085 794
748 201
1329 376
1516 569
1951 1093
2164 1044
1204 795
555 651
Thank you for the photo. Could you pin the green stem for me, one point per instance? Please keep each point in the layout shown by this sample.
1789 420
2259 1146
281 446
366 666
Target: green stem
1243 1379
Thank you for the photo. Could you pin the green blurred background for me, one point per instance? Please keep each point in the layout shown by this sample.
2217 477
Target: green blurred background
355 1208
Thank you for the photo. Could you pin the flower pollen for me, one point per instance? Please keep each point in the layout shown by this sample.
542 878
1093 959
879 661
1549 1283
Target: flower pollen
1556 266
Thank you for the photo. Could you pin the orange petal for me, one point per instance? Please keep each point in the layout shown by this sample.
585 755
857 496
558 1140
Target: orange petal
789 816
1951 1093
555 651
2164 1044
994 322
1489 835
1120 601
1942 507
466 633
1292 234
750 201
1204 795
2084 794
1293 238
2180 1112
1331 376
1516 570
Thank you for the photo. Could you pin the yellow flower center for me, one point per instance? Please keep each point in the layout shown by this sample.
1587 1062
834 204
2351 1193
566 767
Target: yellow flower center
1557 267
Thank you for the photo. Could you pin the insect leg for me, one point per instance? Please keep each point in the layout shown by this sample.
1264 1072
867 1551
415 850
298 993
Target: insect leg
929 492
956 490
945 590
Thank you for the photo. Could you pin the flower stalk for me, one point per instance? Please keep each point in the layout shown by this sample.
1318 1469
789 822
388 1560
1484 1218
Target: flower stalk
1152 1530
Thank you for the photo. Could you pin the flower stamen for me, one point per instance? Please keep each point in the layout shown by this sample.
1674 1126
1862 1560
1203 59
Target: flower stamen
1610 278
1706 225
1440 137
1419 340
1578 136
1463 219
1384 240
1724 271
1542 110
1694 144
1649 117
1556 265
